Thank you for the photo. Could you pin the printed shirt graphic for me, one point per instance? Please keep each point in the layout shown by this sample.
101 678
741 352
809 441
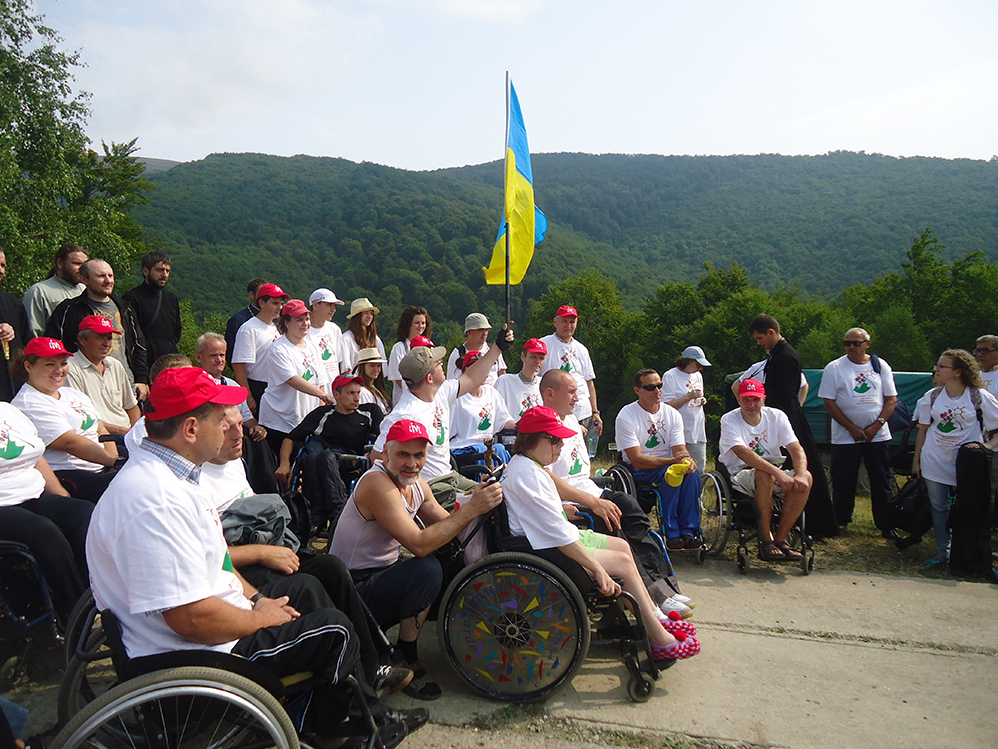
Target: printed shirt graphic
952 422
656 433
573 464
518 395
282 406
476 419
572 358
859 391
20 449
676 384
72 411
327 339
765 439
435 416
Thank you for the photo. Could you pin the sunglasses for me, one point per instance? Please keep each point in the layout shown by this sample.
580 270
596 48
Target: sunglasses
555 441
853 343
983 350
652 388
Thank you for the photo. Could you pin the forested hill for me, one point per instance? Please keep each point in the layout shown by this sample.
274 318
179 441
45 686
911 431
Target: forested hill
821 222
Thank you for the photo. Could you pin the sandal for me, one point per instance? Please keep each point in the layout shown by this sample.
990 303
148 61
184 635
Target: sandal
421 687
770 551
789 553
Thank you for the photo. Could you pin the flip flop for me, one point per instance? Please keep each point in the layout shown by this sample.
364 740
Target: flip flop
770 551
421 687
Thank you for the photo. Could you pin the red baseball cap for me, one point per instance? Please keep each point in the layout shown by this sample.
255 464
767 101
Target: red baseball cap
270 289
536 346
470 358
45 348
543 419
97 324
751 389
567 310
407 430
420 340
177 391
346 379
295 308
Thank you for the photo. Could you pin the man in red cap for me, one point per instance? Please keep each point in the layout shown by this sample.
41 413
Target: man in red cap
379 520
159 561
752 437
103 377
566 353
326 433
236 321
521 391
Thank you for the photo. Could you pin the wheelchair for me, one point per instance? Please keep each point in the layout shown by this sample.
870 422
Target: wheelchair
26 603
516 626
732 510
195 698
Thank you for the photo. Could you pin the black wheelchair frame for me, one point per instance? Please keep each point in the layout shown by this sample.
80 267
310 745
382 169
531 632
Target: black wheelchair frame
25 602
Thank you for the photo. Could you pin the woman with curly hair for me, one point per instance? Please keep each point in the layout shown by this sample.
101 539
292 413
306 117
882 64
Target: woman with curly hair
414 321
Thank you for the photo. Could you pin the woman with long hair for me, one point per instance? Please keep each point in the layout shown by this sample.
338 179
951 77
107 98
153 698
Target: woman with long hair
414 321
65 419
361 333
535 512
253 339
369 364
956 411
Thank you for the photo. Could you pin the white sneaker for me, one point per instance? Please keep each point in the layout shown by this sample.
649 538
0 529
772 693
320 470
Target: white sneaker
671 604
684 599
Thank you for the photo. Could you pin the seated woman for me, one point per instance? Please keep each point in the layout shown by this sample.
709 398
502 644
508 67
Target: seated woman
475 420
534 511
66 420
369 363
37 511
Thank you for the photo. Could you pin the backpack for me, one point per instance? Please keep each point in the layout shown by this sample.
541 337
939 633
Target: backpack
900 420
909 510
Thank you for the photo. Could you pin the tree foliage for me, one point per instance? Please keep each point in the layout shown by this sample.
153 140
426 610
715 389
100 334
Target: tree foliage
53 188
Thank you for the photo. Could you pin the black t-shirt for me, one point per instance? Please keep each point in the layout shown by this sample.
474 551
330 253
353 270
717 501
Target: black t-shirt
348 432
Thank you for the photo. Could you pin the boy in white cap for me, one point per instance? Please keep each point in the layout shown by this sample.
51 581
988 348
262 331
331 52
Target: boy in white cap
324 332
476 334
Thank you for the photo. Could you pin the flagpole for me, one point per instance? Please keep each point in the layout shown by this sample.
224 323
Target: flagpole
506 187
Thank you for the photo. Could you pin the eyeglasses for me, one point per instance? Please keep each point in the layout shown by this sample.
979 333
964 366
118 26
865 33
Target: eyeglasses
984 350
555 441
853 343
652 388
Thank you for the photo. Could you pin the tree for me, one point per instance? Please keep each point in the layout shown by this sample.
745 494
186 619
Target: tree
53 188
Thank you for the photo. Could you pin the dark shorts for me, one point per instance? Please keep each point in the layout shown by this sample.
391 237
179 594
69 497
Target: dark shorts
401 591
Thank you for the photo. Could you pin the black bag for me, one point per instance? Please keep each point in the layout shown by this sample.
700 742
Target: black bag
970 516
909 510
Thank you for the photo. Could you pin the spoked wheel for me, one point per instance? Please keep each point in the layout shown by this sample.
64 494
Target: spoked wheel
622 480
194 707
514 627
714 515
85 681
77 619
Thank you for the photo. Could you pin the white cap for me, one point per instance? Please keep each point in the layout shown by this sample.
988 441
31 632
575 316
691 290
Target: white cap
323 295
476 321
696 354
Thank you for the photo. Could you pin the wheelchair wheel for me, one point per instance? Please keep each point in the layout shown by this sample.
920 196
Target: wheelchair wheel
514 627
85 681
622 480
639 689
74 627
714 513
192 707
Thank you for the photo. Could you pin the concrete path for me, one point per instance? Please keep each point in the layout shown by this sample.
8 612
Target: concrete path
829 660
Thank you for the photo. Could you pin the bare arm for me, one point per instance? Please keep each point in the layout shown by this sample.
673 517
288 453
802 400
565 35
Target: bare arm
85 448
52 483
240 376
278 558
474 376
212 621
836 413
302 385
802 393
916 463
602 507
577 552
591 385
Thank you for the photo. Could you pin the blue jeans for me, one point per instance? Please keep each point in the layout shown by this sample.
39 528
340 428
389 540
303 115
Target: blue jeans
939 499
680 504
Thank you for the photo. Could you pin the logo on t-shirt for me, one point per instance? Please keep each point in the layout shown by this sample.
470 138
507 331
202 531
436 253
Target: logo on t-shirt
485 418
566 361
653 440
88 418
576 468
863 381
309 372
756 444
438 424
529 401
947 419
10 449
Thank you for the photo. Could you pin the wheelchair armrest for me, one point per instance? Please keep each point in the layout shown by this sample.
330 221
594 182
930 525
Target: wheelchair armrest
603 482
472 471
583 519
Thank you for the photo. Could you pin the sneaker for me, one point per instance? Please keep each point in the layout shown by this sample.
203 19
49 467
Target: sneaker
671 604
685 646
673 623
684 599
936 561
674 544
391 679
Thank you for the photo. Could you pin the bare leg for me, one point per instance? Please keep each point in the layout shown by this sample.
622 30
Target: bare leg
617 560
793 506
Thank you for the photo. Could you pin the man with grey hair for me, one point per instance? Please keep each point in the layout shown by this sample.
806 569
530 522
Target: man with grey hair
859 394
209 353
986 353
103 377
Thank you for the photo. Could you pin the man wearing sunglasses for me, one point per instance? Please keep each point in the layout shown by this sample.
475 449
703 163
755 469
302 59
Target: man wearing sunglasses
860 397
986 354
652 438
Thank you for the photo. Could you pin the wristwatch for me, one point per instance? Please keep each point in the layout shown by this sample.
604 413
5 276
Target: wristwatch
881 420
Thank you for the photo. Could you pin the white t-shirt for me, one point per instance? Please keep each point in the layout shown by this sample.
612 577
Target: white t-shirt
474 420
764 439
399 350
517 394
859 391
349 349
366 396
20 449
453 372
952 422
656 434
991 383
757 372
225 483
327 339
155 543
573 464
675 384
435 416
73 411
533 505
573 358
282 407
253 340
135 435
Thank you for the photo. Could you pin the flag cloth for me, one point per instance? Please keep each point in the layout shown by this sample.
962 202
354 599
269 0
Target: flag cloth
527 225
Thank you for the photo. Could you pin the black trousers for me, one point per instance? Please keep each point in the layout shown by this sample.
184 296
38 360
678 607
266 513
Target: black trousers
845 473
88 485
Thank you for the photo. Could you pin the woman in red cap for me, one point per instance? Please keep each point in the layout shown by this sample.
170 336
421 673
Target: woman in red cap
253 339
535 512
66 420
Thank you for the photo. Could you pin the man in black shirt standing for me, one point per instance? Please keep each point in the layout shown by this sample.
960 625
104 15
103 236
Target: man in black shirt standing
14 333
156 309
783 371
344 429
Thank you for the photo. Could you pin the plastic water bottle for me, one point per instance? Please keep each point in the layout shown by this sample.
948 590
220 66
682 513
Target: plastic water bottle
592 439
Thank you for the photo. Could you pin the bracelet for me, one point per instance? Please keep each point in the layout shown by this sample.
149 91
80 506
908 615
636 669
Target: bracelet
256 597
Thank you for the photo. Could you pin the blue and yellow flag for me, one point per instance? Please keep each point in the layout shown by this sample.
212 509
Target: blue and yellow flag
527 225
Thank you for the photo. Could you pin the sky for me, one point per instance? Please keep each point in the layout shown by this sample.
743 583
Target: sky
420 84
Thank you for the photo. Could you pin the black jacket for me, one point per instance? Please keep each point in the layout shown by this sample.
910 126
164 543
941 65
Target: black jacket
12 312
157 312
65 324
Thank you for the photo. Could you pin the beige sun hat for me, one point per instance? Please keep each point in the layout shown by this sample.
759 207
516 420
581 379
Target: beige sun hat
361 305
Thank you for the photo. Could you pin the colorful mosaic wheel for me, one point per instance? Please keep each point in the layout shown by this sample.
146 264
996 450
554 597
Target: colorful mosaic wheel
514 627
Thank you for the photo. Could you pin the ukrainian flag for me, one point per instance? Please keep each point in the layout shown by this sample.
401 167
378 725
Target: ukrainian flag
525 222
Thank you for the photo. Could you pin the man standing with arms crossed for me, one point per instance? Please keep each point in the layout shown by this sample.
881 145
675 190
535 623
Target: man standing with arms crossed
566 353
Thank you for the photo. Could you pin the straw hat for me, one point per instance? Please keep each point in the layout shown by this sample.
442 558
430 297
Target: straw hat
361 305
